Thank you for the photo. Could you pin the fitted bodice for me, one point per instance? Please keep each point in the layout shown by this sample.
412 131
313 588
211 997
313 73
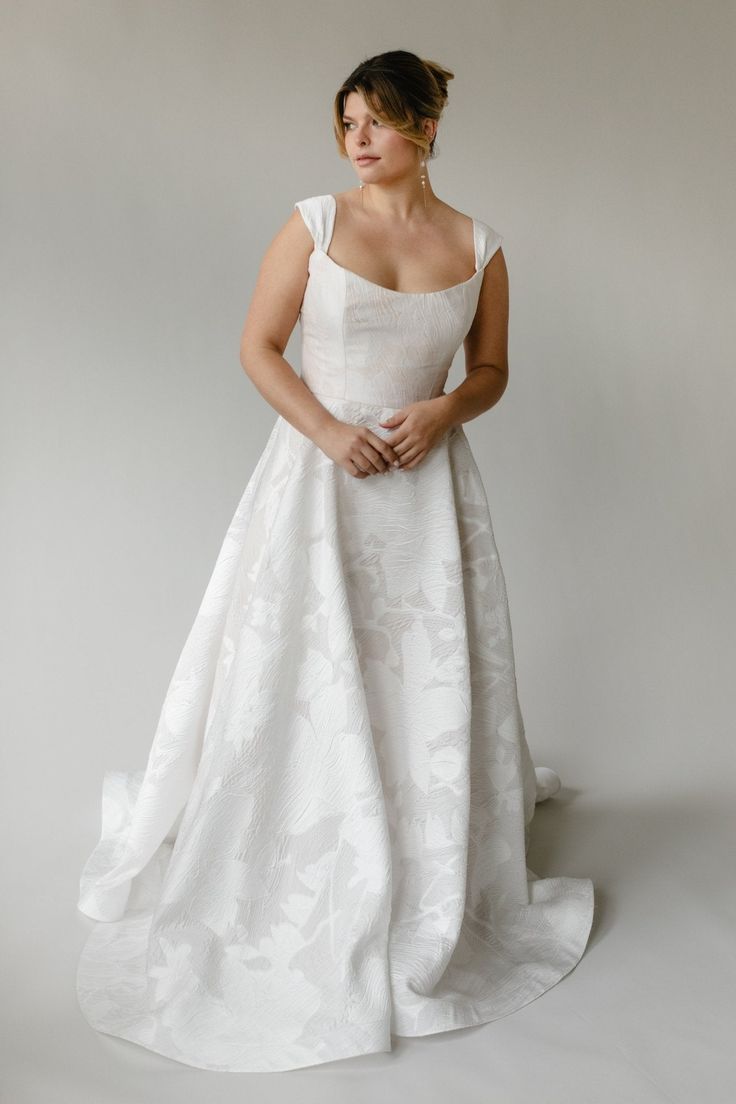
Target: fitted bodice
368 343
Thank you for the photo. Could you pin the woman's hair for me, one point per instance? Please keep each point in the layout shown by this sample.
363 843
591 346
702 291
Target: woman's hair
401 90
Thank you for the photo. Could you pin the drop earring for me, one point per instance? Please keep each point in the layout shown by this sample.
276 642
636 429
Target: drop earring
423 178
362 204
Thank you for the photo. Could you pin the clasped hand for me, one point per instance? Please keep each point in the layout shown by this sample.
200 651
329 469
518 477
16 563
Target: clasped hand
419 426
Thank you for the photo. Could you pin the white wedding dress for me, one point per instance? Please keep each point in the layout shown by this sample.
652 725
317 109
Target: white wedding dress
328 843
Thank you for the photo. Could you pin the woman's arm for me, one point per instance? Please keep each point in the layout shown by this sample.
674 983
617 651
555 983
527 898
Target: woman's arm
272 316
486 349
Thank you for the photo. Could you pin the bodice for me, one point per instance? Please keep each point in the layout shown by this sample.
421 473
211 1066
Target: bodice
370 344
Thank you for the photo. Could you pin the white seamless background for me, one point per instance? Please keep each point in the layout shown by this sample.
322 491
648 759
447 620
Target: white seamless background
150 153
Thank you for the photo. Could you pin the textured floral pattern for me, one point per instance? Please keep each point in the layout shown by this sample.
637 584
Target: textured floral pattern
328 842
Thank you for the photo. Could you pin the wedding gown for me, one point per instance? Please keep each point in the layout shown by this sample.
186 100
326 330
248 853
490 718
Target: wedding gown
328 843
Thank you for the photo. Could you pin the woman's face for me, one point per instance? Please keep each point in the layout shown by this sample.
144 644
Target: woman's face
393 156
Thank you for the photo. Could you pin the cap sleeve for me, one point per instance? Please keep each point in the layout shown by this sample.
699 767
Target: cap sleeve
315 212
490 242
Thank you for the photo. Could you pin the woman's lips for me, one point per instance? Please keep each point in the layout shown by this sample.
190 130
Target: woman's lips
365 160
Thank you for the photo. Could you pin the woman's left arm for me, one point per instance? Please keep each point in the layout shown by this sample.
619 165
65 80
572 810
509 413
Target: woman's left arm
486 349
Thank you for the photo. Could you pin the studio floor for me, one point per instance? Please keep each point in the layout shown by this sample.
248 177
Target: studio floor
646 1016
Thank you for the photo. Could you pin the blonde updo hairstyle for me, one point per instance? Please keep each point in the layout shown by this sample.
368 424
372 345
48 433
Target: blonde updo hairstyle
401 91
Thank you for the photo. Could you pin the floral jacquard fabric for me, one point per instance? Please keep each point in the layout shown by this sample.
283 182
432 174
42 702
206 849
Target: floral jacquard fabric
328 843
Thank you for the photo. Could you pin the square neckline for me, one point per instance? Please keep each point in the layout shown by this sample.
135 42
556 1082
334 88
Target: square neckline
393 291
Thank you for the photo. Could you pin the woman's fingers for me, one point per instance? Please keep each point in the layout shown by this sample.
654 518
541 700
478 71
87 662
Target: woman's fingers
387 451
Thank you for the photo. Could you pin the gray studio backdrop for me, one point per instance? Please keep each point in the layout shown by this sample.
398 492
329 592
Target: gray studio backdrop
150 153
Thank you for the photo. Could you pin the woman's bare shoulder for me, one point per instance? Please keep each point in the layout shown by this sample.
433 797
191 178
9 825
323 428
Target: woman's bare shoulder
454 217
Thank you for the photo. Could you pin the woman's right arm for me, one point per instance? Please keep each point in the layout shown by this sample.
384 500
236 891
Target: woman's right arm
272 316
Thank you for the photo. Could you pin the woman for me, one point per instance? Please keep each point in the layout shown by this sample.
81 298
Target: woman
328 844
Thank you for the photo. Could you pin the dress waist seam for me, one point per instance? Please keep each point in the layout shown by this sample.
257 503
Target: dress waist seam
368 405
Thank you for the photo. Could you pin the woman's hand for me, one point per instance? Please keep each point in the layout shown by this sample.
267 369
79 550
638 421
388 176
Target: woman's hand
357 449
421 426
